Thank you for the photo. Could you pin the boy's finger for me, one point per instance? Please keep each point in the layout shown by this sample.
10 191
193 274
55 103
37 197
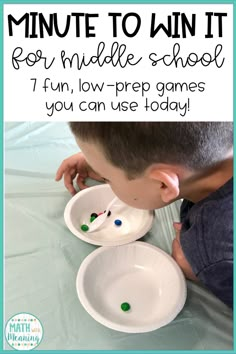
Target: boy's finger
68 182
71 189
177 226
60 172
58 177
65 165
81 182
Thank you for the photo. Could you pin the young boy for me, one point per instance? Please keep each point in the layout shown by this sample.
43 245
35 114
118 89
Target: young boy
150 165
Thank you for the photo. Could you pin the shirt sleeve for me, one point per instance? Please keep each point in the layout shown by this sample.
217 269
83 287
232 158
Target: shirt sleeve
207 241
218 278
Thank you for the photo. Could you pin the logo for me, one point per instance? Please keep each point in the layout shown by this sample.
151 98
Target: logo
23 331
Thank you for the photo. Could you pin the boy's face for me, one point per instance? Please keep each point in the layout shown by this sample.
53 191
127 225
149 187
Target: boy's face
142 192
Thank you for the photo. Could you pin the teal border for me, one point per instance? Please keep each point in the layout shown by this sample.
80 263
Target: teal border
1 176
118 2
2 2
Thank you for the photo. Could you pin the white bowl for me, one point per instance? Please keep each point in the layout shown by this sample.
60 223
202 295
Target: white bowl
138 273
135 222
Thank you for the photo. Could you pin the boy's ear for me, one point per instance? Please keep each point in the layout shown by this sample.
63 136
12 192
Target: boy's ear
169 183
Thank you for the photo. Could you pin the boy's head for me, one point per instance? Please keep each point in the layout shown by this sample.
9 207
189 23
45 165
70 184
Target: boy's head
152 157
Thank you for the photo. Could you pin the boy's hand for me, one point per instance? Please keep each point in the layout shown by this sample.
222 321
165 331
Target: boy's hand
178 255
73 167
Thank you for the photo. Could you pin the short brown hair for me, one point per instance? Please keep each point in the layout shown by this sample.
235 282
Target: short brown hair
133 146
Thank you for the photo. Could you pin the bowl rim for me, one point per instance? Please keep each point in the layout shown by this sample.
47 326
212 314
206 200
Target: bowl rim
115 242
117 326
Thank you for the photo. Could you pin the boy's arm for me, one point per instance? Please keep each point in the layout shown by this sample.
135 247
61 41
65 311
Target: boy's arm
179 257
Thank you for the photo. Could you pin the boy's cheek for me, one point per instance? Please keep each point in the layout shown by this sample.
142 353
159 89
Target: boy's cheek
141 202
140 199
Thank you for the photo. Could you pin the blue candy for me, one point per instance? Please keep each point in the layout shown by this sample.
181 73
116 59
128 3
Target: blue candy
118 222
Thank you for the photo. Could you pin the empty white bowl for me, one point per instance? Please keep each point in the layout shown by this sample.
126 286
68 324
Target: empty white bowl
137 273
135 222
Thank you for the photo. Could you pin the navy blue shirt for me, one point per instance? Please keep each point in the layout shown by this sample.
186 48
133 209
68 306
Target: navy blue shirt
207 240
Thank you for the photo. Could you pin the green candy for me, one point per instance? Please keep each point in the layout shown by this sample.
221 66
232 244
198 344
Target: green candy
84 227
92 218
125 306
